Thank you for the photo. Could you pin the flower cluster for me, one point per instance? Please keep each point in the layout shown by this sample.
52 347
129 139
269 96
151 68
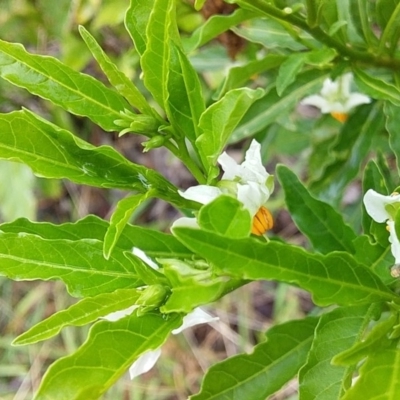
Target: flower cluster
249 182
383 209
336 98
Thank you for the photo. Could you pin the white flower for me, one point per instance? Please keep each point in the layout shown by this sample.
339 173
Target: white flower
383 208
336 99
147 360
144 257
249 182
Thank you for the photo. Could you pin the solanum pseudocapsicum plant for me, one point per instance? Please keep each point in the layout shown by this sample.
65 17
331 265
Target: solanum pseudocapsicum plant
136 285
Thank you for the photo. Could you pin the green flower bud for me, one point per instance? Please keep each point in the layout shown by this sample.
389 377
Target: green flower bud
152 297
154 142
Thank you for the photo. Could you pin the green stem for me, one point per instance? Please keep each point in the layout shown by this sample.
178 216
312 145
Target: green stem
320 35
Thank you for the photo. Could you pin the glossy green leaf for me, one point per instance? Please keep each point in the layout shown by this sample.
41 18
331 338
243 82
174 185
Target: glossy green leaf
351 148
379 377
257 375
152 242
79 264
376 87
214 26
238 75
226 216
106 355
47 77
389 38
120 218
361 15
270 107
319 221
319 379
79 314
219 120
156 58
116 77
334 278
136 19
289 70
53 152
384 10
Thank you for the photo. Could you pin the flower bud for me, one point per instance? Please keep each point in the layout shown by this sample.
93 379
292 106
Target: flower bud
153 143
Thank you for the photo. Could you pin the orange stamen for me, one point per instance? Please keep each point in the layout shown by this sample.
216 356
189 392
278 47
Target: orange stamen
262 221
341 117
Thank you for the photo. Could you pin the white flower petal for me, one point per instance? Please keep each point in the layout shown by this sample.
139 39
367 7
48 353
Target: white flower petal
394 240
144 363
116 315
356 99
375 204
185 222
202 193
316 101
253 196
196 317
143 256
329 88
230 167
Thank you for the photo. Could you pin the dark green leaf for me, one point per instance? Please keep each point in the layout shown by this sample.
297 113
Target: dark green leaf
319 221
257 375
289 70
392 125
47 77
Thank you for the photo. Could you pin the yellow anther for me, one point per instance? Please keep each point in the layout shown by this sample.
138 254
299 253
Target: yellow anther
341 117
262 221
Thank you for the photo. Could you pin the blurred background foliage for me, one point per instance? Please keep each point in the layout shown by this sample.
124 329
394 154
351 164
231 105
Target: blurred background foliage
291 134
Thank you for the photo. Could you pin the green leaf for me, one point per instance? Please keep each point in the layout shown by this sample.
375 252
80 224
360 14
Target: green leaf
17 198
116 77
351 148
379 377
214 26
376 88
270 107
392 125
376 340
48 78
373 179
319 379
193 285
226 216
79 314
79 263
106 355
289 70
319 221
120 218
185 97
219 120
334 278
239 75
259 374
361 16
53 152
136 19
160 31
153 243
390 35
271 34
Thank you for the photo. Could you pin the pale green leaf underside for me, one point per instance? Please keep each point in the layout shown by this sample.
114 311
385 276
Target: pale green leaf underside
79 314
47 77
334 278
106 355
